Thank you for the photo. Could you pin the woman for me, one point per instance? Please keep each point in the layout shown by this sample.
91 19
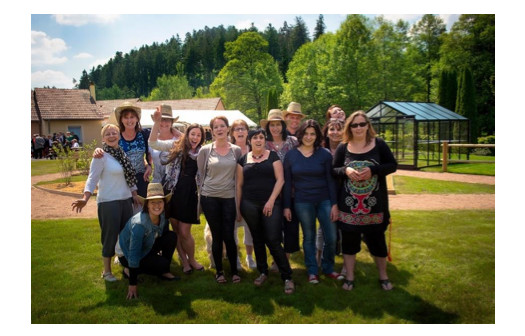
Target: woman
281 143
335 112
259 182
217 166
362 161
146 243
180 179
240 138
332 137
134 142
166 131
308 171
116 193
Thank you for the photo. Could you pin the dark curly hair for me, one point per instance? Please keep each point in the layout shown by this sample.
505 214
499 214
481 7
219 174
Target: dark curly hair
317 128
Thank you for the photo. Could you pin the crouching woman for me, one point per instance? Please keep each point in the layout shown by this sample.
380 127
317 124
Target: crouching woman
146 244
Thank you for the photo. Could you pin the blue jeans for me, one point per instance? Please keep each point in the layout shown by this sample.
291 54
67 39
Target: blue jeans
307 214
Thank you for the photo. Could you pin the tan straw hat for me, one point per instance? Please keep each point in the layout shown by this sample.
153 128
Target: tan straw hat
273 115
167 113
155 191
293 108
126 106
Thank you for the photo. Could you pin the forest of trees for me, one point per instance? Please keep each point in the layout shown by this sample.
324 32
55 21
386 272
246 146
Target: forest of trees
363 62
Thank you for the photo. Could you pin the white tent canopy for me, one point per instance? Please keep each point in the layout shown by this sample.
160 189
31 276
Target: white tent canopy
201 117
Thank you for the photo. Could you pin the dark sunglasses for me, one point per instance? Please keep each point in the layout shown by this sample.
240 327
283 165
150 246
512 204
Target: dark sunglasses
362 124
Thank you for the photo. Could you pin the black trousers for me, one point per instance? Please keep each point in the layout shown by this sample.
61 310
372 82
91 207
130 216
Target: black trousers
158 260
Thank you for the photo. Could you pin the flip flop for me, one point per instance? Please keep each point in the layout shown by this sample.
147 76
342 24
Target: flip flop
385 284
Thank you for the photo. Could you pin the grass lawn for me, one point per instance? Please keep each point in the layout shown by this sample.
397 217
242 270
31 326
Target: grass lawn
466 168
443 270
416 185
42 167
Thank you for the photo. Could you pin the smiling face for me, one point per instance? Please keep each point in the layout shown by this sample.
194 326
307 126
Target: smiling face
309 137
338 113
293 121
129 120
195 137
240 133
276 129
335 134
111 136
155 206
165 125
359 132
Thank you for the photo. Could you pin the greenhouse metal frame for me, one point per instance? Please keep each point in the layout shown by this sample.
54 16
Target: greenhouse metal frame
415 131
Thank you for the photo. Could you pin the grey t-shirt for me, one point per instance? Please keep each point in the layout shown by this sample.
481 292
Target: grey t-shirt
220 175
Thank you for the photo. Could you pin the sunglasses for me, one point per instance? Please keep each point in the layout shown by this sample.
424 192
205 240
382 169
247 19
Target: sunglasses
361 124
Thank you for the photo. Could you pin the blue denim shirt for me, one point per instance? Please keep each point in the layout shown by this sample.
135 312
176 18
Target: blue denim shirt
137 237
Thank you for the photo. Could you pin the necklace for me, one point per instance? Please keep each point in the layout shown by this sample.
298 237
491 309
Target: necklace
257 157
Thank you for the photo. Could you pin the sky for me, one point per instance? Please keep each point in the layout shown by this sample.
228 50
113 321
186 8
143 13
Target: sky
63 45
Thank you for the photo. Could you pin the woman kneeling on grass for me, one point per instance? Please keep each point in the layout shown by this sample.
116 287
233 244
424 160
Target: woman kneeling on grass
146 243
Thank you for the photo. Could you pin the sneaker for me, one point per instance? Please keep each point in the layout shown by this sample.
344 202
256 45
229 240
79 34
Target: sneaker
251 263
109 277
334 275
313 279
260 279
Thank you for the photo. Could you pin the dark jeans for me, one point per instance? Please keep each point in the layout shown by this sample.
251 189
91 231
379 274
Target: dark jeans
142 186
266 231
158 260
220 214
291 231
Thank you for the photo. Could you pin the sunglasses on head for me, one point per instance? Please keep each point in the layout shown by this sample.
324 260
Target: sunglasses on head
361 124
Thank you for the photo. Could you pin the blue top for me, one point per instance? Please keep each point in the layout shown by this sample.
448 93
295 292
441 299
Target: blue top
137 237
310 178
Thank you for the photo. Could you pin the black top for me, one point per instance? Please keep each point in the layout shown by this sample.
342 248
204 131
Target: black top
259 178
363 205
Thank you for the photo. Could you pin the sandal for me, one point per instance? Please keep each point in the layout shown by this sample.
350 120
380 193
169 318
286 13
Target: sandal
260 279
349 285
289 287
219 278
108 276
385 284
187 271
236 278
198 268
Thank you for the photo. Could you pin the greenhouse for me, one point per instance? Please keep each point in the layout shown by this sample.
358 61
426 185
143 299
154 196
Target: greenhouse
415 131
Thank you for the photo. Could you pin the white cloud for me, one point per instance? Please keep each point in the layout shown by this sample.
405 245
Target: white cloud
51 78
244 24
46 50
98 62
78 20
83 55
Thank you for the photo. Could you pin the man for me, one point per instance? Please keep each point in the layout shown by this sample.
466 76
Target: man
39 146
293 117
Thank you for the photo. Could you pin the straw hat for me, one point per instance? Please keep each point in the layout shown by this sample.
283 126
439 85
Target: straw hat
273 115
293 108
155 191
126 106
167 113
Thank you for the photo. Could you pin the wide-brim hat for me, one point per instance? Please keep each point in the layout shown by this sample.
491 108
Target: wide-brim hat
167 113
126 106
273 115
155 191
295 109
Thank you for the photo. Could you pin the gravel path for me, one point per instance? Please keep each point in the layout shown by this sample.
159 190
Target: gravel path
51 205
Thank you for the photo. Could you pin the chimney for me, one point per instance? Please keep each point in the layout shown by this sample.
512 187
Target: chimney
92 91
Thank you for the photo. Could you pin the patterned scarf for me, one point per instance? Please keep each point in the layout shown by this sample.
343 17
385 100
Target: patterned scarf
173 170
119 155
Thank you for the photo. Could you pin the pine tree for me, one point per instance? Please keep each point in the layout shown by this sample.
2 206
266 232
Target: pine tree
466 102
319 27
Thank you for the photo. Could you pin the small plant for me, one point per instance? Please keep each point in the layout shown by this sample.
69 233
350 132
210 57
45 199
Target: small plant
67 162
83 157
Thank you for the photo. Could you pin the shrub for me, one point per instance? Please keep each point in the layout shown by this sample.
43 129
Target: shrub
66 160
83 160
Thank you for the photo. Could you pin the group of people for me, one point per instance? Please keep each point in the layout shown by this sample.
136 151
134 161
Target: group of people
42 146
289 172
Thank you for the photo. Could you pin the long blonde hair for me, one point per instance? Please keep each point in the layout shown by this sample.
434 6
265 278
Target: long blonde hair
347 133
